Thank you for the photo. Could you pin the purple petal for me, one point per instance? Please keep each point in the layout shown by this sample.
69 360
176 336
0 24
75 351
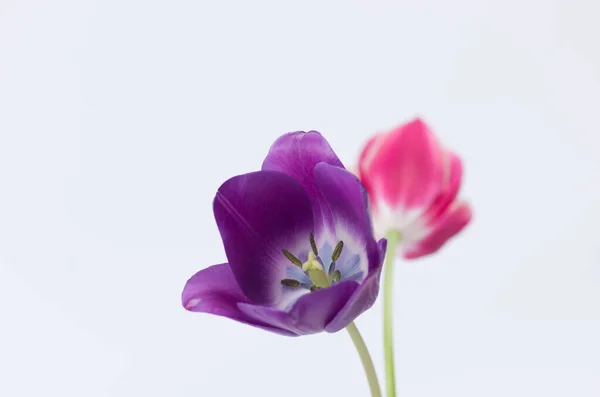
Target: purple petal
310 314
215 291
349 204
363 298
346 197
259 214
381 251
297 154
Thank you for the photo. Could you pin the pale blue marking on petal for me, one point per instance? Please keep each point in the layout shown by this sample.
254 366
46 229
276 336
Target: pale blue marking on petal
349 266
325 254
295 273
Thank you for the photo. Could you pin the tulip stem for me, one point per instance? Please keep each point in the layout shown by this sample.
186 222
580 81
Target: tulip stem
393 237
365 357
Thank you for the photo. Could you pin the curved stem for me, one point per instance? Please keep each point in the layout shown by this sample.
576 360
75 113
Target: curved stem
388 327
365 357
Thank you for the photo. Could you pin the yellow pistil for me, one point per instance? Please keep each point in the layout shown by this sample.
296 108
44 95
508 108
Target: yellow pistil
315 271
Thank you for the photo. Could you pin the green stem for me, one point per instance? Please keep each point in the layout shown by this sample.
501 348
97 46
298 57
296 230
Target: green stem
393 237
365 357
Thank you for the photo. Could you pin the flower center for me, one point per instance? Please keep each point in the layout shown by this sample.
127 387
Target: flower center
313 268
315 271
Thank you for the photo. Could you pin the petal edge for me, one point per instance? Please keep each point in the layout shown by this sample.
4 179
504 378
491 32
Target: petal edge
214 290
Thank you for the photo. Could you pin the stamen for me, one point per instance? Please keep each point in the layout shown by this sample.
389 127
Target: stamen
331 269
288 282
313 245
337 275
313 288
337 251
292 258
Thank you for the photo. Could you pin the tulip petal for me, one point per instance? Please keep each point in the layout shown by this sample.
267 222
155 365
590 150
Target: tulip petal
297 154
259 215
364 297
450 224
403 168
310 314
450 188
346 198
349 206
214 290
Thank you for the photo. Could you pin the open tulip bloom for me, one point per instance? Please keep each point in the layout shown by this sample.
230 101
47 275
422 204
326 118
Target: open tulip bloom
301 254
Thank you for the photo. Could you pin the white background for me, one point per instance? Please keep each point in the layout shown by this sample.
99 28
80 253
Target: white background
119 120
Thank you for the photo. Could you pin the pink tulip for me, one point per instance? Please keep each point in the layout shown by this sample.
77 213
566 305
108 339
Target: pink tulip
413 183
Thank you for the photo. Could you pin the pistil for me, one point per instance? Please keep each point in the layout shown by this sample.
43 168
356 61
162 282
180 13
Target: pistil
315 271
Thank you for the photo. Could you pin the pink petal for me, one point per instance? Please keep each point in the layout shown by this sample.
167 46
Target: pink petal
453 171
451 222
404 168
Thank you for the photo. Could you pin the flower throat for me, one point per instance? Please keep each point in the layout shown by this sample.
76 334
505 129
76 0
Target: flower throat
313 267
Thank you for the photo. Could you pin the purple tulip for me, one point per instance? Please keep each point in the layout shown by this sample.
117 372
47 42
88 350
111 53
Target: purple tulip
299 242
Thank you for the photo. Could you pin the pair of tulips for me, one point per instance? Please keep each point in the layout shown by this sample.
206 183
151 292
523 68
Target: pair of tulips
306 239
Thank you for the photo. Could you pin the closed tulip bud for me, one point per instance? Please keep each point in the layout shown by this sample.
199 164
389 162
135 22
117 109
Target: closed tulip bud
413 184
